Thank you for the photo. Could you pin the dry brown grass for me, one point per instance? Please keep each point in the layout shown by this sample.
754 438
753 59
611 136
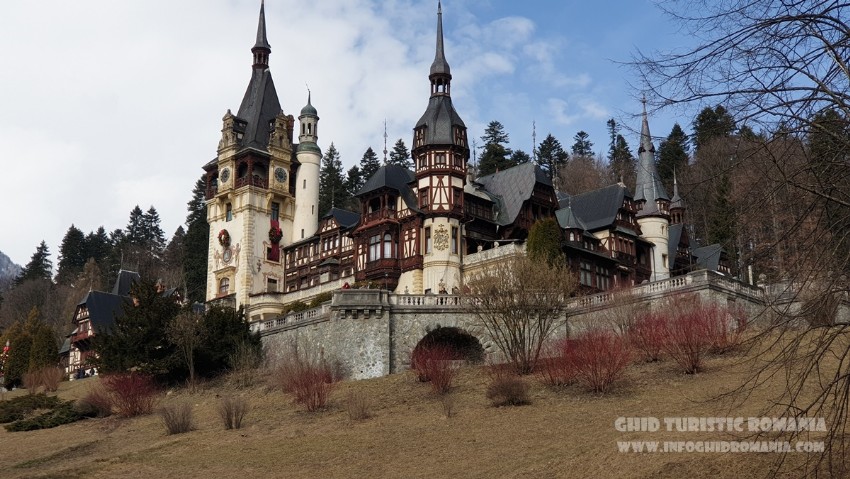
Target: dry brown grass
563 433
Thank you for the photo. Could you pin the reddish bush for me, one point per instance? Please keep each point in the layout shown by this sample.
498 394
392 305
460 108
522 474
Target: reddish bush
50 378
435 364
688 338
600 357
310 381
557 367
506 387
647 335
97 402
724 327
133 393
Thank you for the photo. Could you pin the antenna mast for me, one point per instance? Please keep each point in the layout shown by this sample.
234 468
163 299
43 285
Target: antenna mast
385 141
534 140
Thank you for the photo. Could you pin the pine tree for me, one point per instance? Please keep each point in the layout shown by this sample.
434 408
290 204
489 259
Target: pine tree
582 146
196 245
710 124
519 157
354 180
495 155
544 242
673 156
98 245
369 164
332 190
551 156
72 256
400 155
172 256
153 236
39 266
622 163
134 232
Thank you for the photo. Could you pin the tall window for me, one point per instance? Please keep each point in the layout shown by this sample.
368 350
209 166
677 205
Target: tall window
455 239
586 274
228 212
427 240
224 286
275 210
388 246
603 276
374 248
441 159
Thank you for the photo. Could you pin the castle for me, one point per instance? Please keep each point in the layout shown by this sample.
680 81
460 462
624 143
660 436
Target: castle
417 232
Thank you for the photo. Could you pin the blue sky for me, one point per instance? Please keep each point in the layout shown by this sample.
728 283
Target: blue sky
112 104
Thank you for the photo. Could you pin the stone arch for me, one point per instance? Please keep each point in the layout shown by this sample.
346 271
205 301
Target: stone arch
461 344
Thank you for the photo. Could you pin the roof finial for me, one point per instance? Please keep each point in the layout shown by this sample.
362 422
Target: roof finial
440 66
385 141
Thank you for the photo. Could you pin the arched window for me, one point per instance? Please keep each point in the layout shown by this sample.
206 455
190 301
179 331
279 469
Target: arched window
388 246
224 286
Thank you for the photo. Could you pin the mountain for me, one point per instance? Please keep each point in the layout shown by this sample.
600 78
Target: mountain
8 271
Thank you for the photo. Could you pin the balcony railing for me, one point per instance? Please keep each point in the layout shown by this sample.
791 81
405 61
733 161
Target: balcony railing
382 214
252 181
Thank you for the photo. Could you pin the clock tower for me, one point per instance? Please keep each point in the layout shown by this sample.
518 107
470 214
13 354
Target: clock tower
250 201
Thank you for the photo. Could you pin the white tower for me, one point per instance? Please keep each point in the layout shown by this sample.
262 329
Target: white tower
307 181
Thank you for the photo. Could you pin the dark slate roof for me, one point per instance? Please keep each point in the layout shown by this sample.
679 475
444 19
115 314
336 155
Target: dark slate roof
598 208
440 117
66 346
708 257
124 282
568 219
262 42
394 177
309 109
648 185
676 201
512 187
344 218
258 109
104 308
673 238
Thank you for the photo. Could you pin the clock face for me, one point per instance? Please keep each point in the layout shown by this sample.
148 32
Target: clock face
225 175
280 174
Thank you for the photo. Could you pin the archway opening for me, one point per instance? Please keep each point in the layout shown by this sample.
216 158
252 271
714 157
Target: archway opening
457 344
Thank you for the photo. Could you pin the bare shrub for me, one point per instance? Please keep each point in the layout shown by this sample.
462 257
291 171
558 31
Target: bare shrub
724 326
245 362
647 335
31 381
358 405
177 418
447 401
97 401
557 369
232 411
435 365
309 380
600 358
506 387
688 339
50 378
133 393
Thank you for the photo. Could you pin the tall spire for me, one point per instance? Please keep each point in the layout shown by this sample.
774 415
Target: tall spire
441 74
648 186
261 49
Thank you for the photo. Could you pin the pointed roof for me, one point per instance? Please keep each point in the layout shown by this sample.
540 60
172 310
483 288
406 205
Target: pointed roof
648 186
344 218
568 219
309 109
260 104
676 201
598 208
440 66
262 42
394 177
124 282
512 187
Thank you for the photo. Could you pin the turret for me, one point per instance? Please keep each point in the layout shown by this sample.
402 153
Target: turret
307 181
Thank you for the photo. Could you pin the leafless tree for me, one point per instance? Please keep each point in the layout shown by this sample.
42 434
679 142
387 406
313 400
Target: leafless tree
186 331
520 303
781 67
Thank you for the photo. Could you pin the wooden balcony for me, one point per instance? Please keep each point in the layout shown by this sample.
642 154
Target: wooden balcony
251 181
380 215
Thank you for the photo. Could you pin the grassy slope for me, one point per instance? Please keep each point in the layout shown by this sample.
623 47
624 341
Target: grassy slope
566 433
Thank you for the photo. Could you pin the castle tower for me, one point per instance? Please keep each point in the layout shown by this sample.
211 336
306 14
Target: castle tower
249 205
440 153
307 182
677 204
653 204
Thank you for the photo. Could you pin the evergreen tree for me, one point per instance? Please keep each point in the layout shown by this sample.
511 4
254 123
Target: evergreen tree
135 230
98 245
495 155
582 146
621 162
551 156
369 164
332 190
44 352
400 155
672 156
196 245
354 180
722 221
544 242
138 339
39 266
72 256
519 157
226 330
152 234
20 346
710 124
173 254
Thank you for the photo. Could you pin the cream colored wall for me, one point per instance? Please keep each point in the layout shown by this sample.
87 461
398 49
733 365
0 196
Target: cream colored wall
656 230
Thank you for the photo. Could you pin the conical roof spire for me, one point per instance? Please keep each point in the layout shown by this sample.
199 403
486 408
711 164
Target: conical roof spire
309 109
676 201
648 186
261 49
440 65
